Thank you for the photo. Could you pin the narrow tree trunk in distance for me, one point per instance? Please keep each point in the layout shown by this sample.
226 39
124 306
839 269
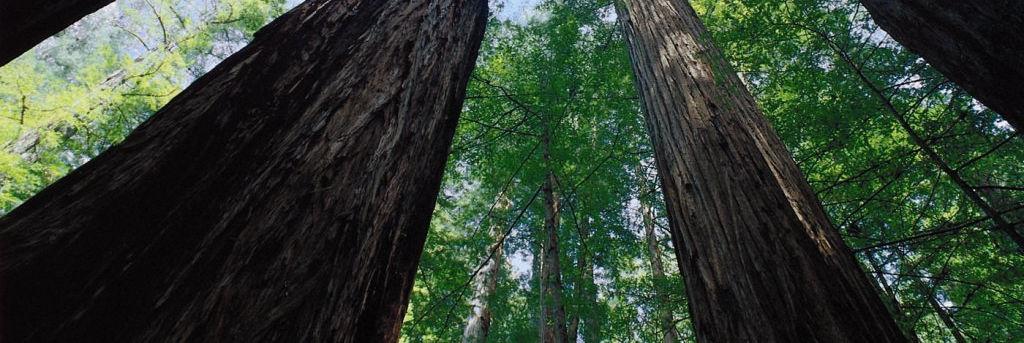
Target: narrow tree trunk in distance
486 281
586 293
25 23
946 318
760 259
975 43
668 324
878 271
554 328
284 196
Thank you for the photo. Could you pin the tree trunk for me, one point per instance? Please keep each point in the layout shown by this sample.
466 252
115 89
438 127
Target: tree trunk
944 316
586 293
486 281
284 196
878 271
25 23
760 259
975 43
554 327
668 324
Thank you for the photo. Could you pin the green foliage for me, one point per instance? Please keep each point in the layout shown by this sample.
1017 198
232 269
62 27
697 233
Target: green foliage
820 69
89 86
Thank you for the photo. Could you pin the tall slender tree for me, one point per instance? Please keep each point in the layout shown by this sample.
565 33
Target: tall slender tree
668 324
285 195
975 43
759 256
25 23
485 283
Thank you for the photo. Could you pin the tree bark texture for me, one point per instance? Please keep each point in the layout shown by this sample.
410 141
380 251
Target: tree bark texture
25 23
760 259
485 283
284 196
975 43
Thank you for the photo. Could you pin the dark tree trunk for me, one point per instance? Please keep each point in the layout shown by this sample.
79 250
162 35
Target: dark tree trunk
284 196
760 259
25 23
976 43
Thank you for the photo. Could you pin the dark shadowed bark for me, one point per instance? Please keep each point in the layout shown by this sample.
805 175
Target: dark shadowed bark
761 261
284 196
25 23
976 43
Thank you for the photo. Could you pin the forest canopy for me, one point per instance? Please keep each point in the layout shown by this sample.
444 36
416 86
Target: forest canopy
551 219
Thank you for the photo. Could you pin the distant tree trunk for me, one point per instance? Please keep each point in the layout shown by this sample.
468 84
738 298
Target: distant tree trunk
284 196
486 281
760 259
878 271
975 43
586 293
668 324
944 316
25 23
554 327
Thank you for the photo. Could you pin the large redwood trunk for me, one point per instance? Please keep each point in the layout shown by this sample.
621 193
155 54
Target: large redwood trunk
975 43
284 196
761 261
25 23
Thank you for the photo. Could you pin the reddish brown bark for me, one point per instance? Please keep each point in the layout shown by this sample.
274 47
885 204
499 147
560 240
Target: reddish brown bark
25 23
761 261
284 196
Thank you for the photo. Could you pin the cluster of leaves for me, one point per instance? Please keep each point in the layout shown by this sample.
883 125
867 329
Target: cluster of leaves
565 74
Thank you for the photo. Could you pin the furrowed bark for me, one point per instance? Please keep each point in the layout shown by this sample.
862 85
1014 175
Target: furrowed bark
485 283
759 257
25 23
284 196
975 43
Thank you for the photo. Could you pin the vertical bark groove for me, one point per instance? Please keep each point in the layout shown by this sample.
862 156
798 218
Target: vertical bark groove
284 196
760 259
